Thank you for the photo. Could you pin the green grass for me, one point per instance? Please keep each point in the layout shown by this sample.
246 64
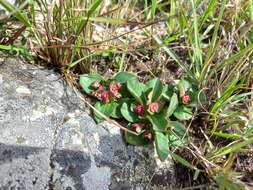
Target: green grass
214 42
225 79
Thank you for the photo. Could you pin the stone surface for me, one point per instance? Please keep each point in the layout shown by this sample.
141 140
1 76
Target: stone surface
48 140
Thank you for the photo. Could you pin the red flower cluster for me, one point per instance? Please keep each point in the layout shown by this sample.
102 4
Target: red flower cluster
114 87
153 107
186 99
139 110
105 95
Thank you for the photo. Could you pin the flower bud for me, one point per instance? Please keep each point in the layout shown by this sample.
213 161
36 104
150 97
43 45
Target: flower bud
148 135
153 107
105 96
139 110
186 99
137 127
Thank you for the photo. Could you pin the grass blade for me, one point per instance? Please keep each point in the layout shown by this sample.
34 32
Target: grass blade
208 11
15 12
251 9
182 161
232 148
197 45
91 10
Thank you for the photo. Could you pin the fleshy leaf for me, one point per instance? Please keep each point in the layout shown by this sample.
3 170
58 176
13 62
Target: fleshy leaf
173 105
156 89
116 112
127 113
123 77
184 85
135 140
104 108
178 137
183 113
87 80
158 121
137 90
167 92
177 127
175 141
162 146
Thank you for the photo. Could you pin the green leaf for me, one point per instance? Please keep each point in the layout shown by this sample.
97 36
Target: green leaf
178 136
161 143
175 141
173 105
158 121
105 109
167 92
156 89
184 84
183 113
127 113
135 140
182 161
123 77
179 128
137 90
116 112
87 80
124 92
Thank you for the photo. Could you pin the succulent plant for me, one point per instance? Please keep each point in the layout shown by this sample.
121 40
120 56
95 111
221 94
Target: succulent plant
152 109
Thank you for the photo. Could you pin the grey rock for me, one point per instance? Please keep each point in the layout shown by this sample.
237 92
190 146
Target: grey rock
49 141
24 167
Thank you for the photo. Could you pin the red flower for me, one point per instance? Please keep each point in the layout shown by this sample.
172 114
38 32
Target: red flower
148 135
105 96
114 87
139 110
137 127
186 99
153 107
